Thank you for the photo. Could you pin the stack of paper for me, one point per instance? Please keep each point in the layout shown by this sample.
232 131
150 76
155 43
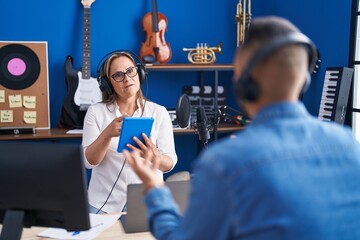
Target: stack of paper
99 223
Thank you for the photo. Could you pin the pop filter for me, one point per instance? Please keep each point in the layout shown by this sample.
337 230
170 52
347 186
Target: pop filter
183 108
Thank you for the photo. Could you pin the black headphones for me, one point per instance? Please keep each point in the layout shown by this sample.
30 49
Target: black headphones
245 88
104 82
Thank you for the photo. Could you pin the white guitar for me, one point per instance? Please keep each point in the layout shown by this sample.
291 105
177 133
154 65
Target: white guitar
88 91
82 89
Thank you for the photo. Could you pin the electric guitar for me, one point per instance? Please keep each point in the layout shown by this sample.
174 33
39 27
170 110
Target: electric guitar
82 89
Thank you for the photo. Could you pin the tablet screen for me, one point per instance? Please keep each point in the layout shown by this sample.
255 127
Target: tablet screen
134 127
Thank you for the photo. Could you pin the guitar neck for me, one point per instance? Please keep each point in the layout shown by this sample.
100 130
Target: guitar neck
155 25
86 66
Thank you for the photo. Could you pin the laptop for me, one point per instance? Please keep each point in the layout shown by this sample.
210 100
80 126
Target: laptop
136 218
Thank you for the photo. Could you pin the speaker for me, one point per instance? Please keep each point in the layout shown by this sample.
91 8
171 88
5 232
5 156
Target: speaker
104 82
245 88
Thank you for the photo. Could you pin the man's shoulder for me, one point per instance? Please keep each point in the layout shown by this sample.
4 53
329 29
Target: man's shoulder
333 129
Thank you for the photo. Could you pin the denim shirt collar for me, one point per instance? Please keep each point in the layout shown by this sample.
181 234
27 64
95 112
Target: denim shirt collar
281 110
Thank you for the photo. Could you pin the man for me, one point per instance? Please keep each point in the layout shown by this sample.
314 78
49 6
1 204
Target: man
286 176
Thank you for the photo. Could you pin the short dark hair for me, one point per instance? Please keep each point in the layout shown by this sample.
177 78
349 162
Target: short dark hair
263 29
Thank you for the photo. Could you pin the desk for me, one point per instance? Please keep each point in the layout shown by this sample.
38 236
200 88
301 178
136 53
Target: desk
116 231
47 134
58 133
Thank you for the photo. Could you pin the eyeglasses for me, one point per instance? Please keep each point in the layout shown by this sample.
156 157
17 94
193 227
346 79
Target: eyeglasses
120 76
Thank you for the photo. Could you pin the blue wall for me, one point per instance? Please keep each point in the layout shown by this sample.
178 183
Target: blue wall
117 25
327 23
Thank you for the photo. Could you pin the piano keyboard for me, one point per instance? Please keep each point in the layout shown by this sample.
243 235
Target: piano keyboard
335 94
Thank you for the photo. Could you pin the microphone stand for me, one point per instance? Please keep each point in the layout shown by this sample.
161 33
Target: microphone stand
204 145
215 132
202 126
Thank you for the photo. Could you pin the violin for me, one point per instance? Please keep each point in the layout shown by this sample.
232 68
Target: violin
155 49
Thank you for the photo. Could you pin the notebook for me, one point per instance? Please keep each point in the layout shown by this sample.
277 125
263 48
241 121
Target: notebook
136 218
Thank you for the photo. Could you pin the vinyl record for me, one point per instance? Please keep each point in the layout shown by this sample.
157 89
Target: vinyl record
20 67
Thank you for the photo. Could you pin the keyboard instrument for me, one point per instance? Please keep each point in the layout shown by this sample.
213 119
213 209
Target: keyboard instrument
335 94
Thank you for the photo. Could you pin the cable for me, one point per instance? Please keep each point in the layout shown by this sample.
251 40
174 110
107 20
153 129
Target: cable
146 93
112 187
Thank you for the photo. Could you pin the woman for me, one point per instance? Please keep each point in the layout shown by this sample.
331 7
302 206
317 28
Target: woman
120 78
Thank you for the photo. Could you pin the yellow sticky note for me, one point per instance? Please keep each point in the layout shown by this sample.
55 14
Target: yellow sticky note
29 101
30 117
15 101
6 116
2 96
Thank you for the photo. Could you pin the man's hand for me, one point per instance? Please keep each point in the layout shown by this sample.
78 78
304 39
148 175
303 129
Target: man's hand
148 147
144 165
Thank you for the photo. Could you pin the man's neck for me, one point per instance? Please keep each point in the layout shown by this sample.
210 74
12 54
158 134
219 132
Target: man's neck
252 108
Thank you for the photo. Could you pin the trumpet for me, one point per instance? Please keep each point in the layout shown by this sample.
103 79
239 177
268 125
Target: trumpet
203 54
243 19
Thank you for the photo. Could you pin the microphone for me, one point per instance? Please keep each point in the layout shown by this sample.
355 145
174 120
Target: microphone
183 110
202 125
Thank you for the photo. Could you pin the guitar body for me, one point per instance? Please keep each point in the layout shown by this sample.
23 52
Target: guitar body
71 116
87 92
82 89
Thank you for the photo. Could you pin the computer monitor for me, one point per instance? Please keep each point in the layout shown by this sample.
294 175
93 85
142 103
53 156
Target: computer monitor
42 184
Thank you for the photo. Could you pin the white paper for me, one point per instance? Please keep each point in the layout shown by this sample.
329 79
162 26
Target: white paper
99 223
75 131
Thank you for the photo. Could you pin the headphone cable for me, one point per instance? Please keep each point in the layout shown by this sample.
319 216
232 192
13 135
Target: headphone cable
112 187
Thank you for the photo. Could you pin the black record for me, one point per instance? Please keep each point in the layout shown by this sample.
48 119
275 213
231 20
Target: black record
20 67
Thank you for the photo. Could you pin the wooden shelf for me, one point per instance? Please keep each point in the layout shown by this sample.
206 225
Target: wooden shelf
222 128
58 133
215 68
189 67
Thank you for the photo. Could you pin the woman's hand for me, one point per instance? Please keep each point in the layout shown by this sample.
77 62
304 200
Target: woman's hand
114 128
96 151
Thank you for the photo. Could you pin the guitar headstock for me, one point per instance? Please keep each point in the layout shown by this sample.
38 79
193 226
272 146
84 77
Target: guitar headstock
87 3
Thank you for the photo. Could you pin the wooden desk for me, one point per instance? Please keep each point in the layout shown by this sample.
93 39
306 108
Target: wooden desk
58 133
48 134
116 231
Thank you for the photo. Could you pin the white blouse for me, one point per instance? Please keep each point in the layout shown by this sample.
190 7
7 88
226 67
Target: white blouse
104 175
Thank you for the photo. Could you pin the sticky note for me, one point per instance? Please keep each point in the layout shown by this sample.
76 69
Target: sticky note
15 101
29 101
6 116
30 117
2 96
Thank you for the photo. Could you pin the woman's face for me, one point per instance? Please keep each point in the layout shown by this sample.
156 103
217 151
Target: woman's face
124 77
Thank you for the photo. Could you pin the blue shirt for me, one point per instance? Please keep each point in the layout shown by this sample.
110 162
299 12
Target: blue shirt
286 176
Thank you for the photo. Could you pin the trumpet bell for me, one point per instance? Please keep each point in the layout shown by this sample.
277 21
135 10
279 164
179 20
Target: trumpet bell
217 49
